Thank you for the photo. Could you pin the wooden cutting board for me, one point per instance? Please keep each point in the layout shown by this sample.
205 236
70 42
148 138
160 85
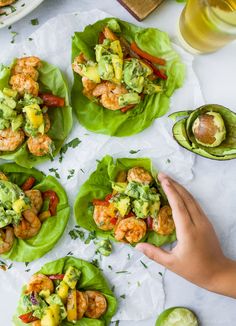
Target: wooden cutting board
140 9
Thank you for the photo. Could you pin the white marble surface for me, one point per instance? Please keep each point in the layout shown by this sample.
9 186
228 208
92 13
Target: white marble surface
214 182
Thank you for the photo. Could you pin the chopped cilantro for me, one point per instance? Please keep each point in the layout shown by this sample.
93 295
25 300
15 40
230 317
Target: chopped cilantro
72 144
26 264
91 236
109 266
27 270
71 173
113 288
144 265
160 273
133 151
34 21
30 39
139 284
123 272
75 234
53 170
70 253
14 34
168 160
95 262
128 256
13 9
123 296
82 170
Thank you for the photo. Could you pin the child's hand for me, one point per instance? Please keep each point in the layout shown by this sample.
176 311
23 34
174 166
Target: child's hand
197 255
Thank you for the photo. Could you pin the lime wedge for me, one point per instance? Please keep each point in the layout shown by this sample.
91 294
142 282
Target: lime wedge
177 316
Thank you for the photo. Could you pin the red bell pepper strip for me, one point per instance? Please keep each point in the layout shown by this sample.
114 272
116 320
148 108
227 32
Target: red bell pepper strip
53 200
127 108
99 202
28 184
113 220
108 197
28 318
52 101
146 55
101 37
150 223
56 277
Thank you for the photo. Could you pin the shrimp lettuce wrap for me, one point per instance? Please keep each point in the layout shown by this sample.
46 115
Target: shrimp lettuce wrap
34 211
67 291
123 201
35 115
124 76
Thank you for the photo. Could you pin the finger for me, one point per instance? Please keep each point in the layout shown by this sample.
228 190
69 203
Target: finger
155 253
180 213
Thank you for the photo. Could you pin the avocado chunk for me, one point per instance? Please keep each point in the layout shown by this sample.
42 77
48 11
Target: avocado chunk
151 88
105 67
4 123
183 132
114 25
17 122
134 74
55 299
129 98
177 316
104 247
119 186
141 208
90 70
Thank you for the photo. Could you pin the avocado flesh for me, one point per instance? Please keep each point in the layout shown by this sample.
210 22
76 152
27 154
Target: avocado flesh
182 132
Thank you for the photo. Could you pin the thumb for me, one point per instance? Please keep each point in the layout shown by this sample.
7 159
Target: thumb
155 253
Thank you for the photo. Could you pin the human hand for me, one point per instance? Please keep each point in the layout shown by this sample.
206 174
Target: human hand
197 255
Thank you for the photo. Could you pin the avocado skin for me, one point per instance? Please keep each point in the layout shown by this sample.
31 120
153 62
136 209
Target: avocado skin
181 132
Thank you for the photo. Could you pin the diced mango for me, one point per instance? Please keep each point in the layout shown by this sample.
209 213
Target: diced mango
34 115
72 276
63 290
72 306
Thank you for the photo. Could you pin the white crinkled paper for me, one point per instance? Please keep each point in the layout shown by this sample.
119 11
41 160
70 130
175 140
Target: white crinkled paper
142 287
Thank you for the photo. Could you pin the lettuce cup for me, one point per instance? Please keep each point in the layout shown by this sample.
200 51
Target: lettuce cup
123 201
67 291
35 115
31 204
124 76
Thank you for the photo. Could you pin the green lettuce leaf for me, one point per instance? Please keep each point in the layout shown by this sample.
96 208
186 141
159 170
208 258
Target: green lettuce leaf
91 279
52 81
44 241
99 185
115 123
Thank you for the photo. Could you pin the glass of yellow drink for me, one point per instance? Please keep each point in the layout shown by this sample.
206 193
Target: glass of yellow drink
207 25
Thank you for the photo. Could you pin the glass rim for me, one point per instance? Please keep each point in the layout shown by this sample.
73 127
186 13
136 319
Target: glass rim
217 16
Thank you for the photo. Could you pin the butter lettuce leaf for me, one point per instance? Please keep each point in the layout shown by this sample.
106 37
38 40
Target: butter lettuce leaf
52 81
91 279
44 241
99 185
115 123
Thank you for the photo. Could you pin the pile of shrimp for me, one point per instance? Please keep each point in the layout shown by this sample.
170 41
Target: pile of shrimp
91 304
130 228
30 222
24 76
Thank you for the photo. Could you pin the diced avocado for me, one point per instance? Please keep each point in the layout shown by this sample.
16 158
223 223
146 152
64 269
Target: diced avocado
10 102
154 208
146 69
9 92
30 99
19 205
90 70
151 88
105 67
114 25
4 123
62 291
119 186
100 50
117 63
132 190
141 208
51 316
122 204
133 75
44 294
55 299
104 247
17 122
6 111
116 48
129 98
72 276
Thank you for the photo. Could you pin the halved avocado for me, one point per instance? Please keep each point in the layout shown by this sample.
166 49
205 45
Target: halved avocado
183 134
177 316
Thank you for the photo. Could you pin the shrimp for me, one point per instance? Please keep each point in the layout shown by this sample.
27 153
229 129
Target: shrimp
6 2
36 199
31 61
140 175
6 239
39 282
130 229
89 86
77 61
47 123
164 223
36 323
25 70
82 303
109 93
10 140
40 145
102 216
29 225
24 84
97 304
